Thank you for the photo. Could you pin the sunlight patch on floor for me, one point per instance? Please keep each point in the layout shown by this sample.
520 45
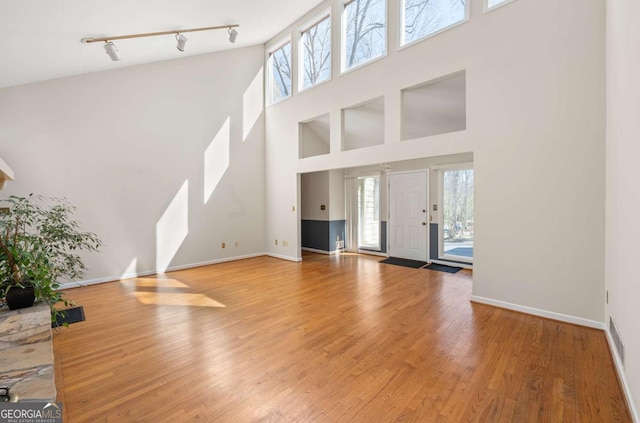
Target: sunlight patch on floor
177 299
153 283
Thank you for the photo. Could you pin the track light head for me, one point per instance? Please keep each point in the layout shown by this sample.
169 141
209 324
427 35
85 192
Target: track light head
112 51
233 34
182 41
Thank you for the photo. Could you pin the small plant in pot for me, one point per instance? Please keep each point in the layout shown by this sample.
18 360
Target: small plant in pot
39 245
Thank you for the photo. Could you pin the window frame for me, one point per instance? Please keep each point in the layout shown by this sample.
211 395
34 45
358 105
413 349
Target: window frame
326 14
487 8
440 213
275 47
401 20
343 38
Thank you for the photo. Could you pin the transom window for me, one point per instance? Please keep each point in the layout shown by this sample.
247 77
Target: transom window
279 66
365 32
315 53
421 18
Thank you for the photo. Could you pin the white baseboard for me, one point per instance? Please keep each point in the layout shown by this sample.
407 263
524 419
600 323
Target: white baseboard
542 313
155 272
325 252
282 257
623 379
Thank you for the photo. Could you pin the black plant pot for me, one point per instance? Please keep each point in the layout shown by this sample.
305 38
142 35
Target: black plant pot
20 297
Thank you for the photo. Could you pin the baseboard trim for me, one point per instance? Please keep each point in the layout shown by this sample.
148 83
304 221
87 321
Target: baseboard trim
131 275
325 252
541 313
623 379
283 257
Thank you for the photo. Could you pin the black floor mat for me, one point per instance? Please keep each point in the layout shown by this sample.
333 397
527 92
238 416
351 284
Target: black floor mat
414 264
442 268
71 315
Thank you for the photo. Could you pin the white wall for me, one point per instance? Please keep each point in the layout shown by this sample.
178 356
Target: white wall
128 148
435 108
314 137
535 125
314 193
623 173
363 125
336 195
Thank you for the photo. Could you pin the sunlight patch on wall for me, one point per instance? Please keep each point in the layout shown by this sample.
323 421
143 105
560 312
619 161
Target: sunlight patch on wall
216 160
177 299
172 228
132 269
252 104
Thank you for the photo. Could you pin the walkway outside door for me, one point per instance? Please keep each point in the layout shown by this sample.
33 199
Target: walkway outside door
408 215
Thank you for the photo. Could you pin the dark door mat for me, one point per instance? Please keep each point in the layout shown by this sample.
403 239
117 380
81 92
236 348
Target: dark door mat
71 315
442 268
414 264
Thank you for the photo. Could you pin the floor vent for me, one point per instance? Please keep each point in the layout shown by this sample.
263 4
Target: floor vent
617 339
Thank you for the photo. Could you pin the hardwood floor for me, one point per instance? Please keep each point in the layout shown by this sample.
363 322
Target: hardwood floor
331 339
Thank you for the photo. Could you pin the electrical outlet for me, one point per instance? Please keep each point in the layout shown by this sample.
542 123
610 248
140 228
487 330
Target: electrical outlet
276 242
237 243
224 245
285 243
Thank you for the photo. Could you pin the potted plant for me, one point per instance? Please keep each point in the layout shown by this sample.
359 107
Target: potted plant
39 245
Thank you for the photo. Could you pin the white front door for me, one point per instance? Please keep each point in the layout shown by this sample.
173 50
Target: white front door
408 215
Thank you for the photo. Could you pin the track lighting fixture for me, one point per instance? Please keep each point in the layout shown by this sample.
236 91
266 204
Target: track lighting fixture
181 39
112 51
233 34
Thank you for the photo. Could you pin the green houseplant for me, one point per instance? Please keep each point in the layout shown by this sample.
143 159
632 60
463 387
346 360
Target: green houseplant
39 245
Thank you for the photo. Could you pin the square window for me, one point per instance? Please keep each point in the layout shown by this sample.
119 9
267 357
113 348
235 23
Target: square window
422 18
315 53
279 67
365 31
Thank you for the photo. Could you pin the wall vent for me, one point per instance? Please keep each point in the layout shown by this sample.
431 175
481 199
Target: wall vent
617 339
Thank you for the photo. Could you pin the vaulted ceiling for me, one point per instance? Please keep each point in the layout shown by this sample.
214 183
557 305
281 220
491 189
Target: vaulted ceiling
40 39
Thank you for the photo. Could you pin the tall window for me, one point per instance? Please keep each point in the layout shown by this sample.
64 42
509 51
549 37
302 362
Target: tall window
365 32
315 53
280 73
369 212
457 214
422 18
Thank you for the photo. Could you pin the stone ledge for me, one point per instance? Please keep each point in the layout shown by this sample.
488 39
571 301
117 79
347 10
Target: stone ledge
26 353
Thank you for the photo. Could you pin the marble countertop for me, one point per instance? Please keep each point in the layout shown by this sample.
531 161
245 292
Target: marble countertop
26 353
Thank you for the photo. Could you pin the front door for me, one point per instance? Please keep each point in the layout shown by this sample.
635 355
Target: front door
408 215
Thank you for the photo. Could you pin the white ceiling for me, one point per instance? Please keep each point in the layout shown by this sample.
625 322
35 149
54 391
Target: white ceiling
40 39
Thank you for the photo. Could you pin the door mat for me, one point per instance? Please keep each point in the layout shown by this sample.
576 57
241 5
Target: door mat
442 268
71 315
414 264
